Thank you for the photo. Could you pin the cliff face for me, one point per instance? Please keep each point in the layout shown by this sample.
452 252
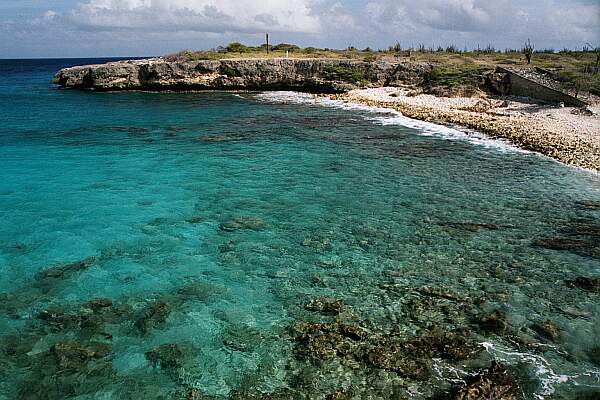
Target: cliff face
319 75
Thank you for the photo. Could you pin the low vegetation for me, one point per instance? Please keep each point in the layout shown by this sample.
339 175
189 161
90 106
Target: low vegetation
577 70
345 74
229 71
451 75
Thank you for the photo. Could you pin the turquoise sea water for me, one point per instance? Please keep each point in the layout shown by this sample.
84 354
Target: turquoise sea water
215 226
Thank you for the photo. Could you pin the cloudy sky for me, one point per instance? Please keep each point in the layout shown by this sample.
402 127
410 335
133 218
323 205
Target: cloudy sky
84 28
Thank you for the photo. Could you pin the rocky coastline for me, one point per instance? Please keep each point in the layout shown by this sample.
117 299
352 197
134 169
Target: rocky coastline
568 134
311 75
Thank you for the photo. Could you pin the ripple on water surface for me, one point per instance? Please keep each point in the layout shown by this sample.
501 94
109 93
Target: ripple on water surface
214 246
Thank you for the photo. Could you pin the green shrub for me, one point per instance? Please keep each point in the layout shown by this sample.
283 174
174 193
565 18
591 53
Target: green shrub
229 71
285 47
450 75
236 47
345 74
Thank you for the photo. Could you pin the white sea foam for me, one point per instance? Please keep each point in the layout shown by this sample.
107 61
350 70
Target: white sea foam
548 378
386 116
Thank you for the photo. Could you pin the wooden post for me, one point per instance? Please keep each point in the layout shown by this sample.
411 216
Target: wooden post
267 43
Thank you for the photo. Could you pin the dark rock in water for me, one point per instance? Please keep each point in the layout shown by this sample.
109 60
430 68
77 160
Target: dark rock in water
317 243
10 304
166 356
559 243
441 293
100 304
63 271
15 347
579 235
392 355
227 247
494 383
73 355
322 341
591 284
198 291
340 394
584 227
548 330
586 394
152 315
242 337
325 305
242 223
594 355
588 205
494 321
223 137
472 226
281 394
61 318
69 369
411 358
89 317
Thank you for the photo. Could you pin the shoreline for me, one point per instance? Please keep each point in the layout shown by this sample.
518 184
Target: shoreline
562 133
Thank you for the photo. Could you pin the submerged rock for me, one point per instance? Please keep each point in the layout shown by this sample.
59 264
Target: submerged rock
322 341
100 304
560 243
89 317
10 304
579 235
473 226
494 383
408 357
588 205
548 330
74 355
198 291
594 355
224 137
242 223
65 270
317 243
153 315
195 220
591 284
69 369
413 358
166 356
325 306
242 337
494 321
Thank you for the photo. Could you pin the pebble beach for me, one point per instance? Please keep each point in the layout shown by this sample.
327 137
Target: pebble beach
568 134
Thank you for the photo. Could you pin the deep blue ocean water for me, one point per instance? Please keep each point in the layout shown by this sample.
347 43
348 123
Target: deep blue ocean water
212 224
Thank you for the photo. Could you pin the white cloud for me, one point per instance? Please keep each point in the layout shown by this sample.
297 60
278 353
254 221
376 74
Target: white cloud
128 27
250 16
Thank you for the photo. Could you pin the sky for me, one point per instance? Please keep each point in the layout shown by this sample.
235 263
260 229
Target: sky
102 28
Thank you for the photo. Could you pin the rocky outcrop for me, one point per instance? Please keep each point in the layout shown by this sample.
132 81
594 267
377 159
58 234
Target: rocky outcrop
316 75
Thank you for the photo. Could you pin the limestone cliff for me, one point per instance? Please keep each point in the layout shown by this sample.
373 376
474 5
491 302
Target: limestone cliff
317 75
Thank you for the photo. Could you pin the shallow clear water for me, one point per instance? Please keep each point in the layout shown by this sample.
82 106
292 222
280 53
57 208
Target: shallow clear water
214 219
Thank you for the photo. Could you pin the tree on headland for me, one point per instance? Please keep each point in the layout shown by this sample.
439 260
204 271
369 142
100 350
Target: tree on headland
236 47
528 50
